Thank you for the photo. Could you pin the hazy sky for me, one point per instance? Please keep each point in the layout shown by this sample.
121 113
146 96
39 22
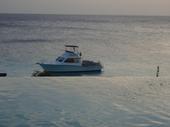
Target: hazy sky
110 7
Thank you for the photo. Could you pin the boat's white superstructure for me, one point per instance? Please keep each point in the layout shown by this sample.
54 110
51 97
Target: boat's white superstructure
70 61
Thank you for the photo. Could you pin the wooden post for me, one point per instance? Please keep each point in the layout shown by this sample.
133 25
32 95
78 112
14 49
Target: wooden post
157 72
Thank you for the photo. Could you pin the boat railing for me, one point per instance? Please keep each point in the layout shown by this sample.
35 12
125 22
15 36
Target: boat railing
71 48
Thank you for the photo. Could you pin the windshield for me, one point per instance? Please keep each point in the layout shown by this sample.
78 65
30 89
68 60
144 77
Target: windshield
72 60
60 59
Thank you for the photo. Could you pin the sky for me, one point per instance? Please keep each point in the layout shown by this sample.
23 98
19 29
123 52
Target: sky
99 7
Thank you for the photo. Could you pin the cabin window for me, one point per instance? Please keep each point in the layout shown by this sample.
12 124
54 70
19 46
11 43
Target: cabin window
60 59
72 60
69 60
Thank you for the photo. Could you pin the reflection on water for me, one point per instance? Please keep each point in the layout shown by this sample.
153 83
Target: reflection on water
46 74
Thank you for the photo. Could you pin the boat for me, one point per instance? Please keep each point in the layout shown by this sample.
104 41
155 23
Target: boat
71 62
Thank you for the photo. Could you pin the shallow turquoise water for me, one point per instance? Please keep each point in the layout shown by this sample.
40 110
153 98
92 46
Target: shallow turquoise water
84 102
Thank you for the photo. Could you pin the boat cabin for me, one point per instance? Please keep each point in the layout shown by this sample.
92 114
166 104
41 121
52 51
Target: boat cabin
70 56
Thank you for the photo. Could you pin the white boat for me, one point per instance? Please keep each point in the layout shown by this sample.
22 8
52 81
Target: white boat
70 62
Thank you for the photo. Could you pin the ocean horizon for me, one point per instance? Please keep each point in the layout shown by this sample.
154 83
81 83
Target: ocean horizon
71 14
126 94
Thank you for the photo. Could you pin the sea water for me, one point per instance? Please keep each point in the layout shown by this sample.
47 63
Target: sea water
85 102
126 94
125 45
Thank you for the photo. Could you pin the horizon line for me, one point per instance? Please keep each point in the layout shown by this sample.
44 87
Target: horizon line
20 13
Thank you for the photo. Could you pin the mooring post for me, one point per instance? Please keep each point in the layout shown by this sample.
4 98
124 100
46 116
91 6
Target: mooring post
157 72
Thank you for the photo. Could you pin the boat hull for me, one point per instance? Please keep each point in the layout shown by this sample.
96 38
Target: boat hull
53 68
